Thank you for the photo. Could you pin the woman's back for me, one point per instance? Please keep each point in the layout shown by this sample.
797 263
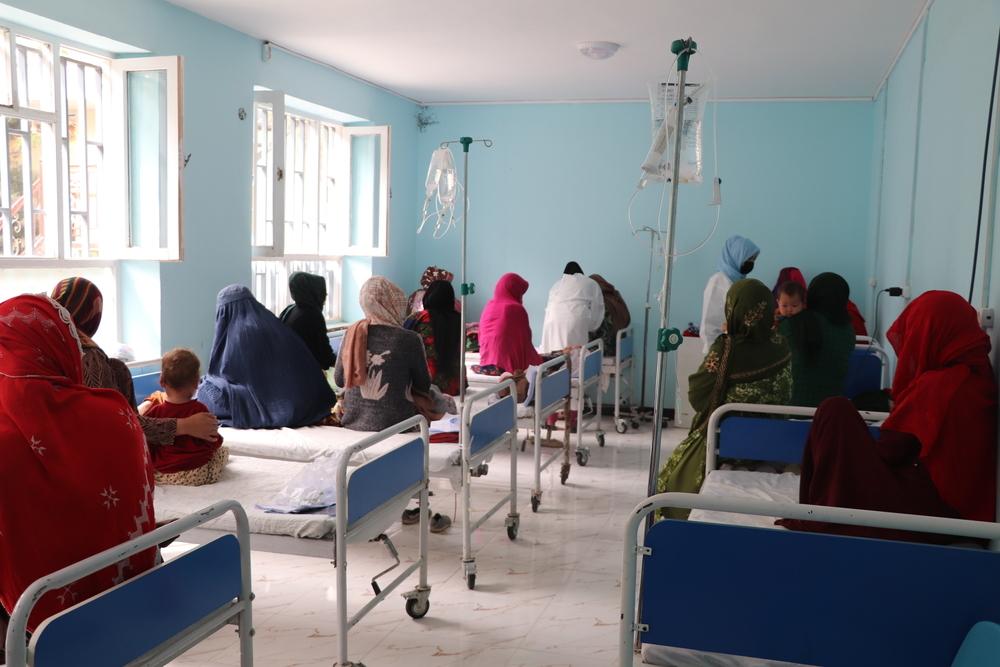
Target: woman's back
821 373
395 368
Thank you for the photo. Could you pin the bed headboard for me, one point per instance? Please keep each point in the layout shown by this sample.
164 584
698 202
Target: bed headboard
864 371
813 598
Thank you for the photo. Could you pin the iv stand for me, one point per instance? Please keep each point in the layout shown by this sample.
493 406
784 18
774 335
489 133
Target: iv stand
653 235
466 288
667 339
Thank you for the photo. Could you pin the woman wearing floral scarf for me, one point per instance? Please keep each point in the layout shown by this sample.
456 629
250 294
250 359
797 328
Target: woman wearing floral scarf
749 364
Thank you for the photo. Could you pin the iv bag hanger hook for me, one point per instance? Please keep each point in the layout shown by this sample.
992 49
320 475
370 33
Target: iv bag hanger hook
466 142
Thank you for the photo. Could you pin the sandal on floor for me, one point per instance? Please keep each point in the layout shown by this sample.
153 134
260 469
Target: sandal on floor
440 523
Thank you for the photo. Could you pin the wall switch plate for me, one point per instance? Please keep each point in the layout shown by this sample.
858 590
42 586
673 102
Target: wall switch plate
986 317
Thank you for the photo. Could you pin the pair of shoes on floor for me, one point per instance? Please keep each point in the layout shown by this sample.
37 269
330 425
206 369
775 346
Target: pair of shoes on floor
439 522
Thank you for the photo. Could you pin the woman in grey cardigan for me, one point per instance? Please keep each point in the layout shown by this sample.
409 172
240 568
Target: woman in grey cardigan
381 365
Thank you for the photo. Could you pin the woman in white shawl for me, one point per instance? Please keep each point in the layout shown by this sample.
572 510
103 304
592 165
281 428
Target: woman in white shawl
575 308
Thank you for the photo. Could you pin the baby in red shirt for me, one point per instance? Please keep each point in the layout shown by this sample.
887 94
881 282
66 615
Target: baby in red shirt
188 461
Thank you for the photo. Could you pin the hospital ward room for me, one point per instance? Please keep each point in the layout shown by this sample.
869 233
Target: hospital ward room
557 333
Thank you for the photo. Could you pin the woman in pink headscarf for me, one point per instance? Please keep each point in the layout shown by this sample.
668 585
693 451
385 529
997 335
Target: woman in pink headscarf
504 330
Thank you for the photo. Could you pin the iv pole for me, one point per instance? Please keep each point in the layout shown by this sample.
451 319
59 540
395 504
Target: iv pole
467 288
667 339
653 235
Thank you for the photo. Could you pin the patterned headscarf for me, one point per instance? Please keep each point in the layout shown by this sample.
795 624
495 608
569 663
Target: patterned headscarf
384 304
83 301
434 273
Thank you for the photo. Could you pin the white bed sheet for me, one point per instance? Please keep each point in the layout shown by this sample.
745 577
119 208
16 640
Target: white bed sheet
747 485
248 481
312 442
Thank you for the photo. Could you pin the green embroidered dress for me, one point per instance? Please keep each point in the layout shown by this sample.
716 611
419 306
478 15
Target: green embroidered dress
749 364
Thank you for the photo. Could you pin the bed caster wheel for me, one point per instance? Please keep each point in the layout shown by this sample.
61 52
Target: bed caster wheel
582 457
470 581
416 608
564 473
513 523
600 440
535 502
621 426
635 424
512 533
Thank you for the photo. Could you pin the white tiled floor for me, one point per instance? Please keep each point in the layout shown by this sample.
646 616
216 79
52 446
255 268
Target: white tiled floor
549 598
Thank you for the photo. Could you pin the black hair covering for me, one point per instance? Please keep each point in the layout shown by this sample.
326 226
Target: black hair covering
439 301
827 296
572 268
307 289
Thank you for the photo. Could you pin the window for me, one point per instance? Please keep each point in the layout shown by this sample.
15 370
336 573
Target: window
320 192
90 153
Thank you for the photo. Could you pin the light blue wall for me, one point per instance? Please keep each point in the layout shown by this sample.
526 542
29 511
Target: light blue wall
221 67
796 179
937 101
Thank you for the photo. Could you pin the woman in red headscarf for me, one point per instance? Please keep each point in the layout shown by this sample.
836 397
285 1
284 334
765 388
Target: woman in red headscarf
945 394
75 477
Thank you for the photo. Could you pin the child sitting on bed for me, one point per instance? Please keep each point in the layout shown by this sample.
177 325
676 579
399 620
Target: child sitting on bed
791 299
187 461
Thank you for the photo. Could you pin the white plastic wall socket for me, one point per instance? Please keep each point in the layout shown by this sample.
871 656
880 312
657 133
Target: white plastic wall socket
906 292
986 317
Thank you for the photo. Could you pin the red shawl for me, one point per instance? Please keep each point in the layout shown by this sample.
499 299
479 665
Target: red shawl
857 319
944 393
504 330
789 274
75 476
843 466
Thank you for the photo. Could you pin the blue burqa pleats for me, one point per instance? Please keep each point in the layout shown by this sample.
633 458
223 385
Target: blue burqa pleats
261 374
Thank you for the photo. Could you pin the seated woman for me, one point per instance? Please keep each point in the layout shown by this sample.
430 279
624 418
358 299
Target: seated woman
438 326
261 374
504 330
382 368
844 466
748 364
75 477
305 316
431 274
616 315
85 304
945 394
575 308
821 339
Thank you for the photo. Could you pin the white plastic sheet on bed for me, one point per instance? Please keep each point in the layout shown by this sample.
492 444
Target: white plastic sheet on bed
748 485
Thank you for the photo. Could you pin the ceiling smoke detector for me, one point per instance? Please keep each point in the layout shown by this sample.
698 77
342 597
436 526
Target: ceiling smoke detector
598 50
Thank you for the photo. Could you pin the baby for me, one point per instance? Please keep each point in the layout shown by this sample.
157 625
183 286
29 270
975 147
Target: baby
188 461
791 299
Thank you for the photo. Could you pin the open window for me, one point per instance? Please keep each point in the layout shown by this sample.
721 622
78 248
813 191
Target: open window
90 153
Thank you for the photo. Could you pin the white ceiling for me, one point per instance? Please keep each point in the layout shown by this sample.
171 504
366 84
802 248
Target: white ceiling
525 50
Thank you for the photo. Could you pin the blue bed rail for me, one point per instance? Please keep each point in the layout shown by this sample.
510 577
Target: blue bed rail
847 601
153 617
483 432
774 433
551 394
865 371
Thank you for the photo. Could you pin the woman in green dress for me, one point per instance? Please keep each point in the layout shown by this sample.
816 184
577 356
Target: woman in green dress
821 339
748 364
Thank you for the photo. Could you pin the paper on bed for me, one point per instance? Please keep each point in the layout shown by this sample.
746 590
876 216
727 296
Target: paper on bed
747 485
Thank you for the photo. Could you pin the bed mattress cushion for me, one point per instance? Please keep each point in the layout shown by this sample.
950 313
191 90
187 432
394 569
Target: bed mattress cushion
747 485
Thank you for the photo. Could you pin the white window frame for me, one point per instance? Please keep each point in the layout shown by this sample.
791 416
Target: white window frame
115 245
380 249
340 245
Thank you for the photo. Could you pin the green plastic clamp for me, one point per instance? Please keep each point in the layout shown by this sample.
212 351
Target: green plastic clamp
683 49
668 340
468 288
466 142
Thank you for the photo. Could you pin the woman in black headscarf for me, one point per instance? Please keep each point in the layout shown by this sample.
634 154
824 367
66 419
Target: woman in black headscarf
305 316
821 338
439 327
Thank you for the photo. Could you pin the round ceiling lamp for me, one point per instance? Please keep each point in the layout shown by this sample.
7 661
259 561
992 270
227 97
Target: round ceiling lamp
598 50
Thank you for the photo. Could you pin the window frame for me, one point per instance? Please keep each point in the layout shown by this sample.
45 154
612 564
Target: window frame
115 243
380 249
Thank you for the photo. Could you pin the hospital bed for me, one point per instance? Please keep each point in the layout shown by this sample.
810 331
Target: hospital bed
801 597
376 477
552 394
618 369
586 379
153 617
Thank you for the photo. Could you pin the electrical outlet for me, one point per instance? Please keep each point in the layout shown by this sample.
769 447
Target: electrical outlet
873 283
986 317
906 292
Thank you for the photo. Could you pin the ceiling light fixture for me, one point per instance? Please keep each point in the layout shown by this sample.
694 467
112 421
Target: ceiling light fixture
598 50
